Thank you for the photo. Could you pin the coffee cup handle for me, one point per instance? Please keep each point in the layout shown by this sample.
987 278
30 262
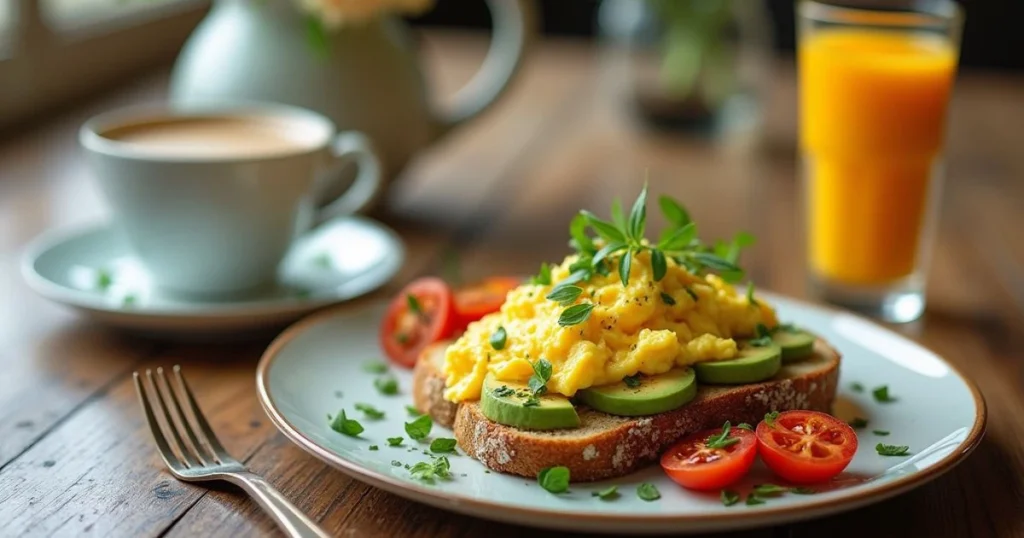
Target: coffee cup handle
353 146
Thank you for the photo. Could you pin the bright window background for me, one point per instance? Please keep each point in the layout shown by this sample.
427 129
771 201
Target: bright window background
6 20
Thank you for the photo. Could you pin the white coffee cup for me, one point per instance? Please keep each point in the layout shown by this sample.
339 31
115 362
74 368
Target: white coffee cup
210 199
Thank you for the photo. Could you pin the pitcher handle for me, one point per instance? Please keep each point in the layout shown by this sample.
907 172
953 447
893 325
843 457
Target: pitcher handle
514 29
347 147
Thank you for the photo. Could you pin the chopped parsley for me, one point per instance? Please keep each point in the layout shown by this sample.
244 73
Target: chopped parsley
370 411
442 445
503 391
413 412
856 387
374 447
882 395
764 336
750 295
343 424
427 471
375 367
532 401
498 339
541 374
607 494
419 429
768 490
395 441
648 492
396 463
554 479
754 499
745 426
883 433
729 497
387 385
543 278
858 422
770 418
892 450
632 381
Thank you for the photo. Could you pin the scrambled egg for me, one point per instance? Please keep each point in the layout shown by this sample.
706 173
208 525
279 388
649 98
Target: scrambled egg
632 329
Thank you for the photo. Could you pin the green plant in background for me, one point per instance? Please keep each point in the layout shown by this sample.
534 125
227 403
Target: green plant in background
697 58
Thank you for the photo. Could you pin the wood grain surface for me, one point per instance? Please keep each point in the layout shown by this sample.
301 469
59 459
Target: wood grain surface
76 459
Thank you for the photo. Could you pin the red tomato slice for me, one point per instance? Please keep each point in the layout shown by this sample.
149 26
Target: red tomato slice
806 447
695 465
487 296
405 332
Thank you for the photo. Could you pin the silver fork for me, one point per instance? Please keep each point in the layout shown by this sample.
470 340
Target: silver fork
192 452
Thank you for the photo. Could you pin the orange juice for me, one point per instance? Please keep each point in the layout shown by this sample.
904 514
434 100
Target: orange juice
872 107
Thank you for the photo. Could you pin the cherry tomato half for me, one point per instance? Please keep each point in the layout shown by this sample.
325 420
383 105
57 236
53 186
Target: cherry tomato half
806 447
695 465
476 301
423 313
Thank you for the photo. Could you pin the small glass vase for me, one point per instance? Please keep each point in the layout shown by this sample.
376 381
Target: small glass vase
691 65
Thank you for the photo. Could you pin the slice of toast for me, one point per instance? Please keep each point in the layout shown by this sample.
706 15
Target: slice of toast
608 446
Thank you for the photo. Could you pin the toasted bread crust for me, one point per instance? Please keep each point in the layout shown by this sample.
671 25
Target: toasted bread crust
428 385
606 446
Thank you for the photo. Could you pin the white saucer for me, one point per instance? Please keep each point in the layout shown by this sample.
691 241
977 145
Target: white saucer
93 271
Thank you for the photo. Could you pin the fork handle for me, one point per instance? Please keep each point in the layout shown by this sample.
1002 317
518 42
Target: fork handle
291 520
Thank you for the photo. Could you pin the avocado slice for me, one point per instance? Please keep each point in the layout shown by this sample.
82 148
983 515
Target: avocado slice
752 364
795 343
503 402
649 395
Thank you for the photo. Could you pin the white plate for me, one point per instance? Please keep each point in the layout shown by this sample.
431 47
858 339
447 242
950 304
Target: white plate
315 368
93 271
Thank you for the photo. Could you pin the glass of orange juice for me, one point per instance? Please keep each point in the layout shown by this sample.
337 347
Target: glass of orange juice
874 87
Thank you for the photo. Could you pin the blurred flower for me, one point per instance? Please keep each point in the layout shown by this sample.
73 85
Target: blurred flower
335 13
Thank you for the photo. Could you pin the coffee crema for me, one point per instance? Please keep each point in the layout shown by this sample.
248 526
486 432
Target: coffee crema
211 136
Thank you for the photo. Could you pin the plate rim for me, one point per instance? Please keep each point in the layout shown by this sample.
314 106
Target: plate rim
520 515
58 293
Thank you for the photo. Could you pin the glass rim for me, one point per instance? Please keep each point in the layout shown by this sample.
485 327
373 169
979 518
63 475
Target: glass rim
932 14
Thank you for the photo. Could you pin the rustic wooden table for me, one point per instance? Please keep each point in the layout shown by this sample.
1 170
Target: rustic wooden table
75 455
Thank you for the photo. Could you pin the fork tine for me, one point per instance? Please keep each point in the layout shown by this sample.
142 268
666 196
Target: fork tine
197 450
186 456
204 427
168 455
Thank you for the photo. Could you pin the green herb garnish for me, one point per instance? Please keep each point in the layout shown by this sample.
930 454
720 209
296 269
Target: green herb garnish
532 401
607 494
632 381
576 314
374 447
413 412
882 395
539 380
395 441
442 444
343 424
565 294
387 385
764 336
554 479
770 418
648 492
503 391
103 279
419 429
882 433
754 499
722 440
858 423
498 338
892 450
729 497
375 367
667 299
802 491
370 411
414 305
745 426
691 293
769 490
750 295
856 387
543 278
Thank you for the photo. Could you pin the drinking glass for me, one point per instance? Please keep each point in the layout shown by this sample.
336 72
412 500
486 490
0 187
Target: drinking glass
874 87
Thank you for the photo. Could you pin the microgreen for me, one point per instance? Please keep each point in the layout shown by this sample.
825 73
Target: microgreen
554 479
729 497
387 385
892 450
539 380
345 425
442 445
395 441
648 492
882 395
607 494
543 278
370 411
722 440
419 429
